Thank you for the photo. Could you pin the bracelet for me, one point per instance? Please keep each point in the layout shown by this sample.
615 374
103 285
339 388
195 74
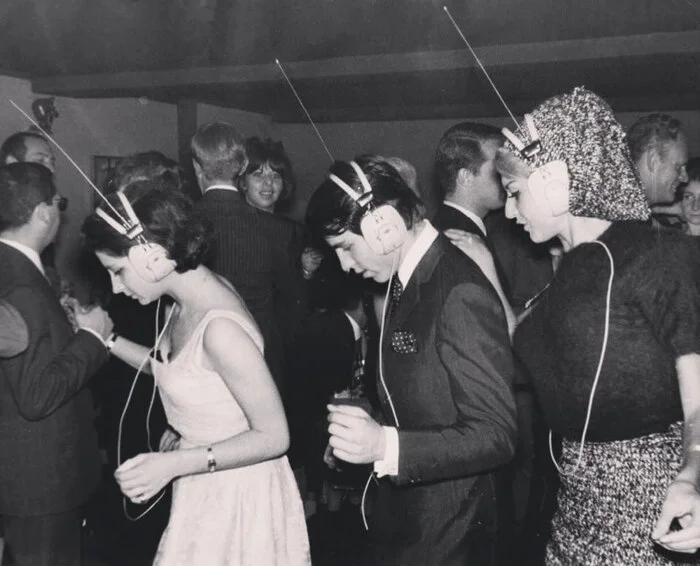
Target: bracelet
111 339
211 461
306 272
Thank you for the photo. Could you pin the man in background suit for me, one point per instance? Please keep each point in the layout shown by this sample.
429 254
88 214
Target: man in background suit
256 251
50 462
445 380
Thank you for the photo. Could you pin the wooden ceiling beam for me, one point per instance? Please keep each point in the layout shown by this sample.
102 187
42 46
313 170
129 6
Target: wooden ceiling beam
141 83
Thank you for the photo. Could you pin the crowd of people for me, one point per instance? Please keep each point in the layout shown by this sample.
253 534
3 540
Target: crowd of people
511 379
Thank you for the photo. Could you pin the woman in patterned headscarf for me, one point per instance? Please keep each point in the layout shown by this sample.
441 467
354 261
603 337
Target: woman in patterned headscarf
614 343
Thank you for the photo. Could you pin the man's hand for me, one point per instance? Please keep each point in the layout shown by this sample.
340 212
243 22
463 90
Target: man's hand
355 436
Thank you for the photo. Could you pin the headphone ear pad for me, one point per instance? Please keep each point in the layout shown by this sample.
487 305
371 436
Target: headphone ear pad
383 229
550 184
151 262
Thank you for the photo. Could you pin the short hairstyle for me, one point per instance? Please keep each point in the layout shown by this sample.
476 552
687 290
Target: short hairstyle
259 152
218 149
15 146
23 186
331 211
461 148
167 216
144 165
406 170
652 131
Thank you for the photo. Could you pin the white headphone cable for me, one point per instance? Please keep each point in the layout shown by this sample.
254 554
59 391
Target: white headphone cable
597 375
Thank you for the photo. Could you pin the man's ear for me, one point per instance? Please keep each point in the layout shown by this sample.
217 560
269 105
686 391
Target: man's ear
11 159
41 213
652 159
464 177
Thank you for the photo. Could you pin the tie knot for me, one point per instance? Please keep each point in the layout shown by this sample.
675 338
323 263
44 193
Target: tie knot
396 289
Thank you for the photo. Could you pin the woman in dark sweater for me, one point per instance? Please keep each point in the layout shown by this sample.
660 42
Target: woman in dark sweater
614 343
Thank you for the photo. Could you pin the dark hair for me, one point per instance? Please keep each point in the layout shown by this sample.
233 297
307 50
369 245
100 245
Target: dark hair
167 217
218 149
331 211
461 148
142 166
653 130
269 151
23 186
15 146
693 169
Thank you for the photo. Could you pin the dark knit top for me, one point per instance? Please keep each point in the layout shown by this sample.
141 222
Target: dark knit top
654 319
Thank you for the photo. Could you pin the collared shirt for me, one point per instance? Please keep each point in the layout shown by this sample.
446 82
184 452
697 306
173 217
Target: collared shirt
469 214
222 187
389 465
420 246
356 330
33 256
29 253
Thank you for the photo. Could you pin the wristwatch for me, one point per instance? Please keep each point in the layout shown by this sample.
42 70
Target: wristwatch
111 339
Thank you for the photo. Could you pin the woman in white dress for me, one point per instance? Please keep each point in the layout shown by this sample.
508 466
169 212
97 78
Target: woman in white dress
235 501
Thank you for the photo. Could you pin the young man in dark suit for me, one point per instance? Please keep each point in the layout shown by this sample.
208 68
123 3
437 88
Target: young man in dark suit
50 462
447 414
256 251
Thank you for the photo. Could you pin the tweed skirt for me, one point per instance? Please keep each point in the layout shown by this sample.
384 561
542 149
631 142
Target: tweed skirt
608 506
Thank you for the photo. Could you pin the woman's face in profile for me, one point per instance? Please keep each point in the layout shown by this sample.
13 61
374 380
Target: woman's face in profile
690 203
263 187
524 205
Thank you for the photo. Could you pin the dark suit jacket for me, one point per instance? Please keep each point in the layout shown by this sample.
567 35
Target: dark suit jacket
259 254
454 402
50 460
448 217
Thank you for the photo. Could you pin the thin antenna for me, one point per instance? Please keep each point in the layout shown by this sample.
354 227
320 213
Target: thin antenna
320 137
459 31
69 158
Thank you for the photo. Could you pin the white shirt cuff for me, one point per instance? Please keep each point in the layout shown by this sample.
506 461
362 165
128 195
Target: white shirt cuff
95 334
389 465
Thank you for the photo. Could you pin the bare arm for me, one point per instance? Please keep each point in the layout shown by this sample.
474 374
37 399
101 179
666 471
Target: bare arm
132 354
682 498
245 374
476 249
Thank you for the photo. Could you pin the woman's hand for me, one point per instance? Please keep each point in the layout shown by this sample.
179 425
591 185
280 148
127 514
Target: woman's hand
143 476
311 259
683 503
169 441
474 247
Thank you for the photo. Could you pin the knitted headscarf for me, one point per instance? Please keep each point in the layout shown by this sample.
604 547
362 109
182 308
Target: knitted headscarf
580 129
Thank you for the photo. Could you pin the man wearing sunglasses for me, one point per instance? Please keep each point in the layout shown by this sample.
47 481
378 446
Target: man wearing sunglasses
50 461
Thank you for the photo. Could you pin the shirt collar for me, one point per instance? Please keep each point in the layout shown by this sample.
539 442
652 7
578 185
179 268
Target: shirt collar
28 252
356 330
222 187
469 214
420 246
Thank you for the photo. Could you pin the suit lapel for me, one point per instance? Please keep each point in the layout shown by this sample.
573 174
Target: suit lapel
412 293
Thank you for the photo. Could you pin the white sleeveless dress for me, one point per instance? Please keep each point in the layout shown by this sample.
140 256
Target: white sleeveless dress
249 516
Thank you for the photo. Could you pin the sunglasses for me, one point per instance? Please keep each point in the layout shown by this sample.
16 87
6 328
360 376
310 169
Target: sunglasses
61 203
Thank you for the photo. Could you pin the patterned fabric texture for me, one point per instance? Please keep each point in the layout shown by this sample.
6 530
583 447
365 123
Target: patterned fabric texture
580 129
404 342
608 507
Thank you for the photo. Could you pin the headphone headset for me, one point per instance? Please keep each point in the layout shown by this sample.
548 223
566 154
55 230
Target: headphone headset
150 261
382 227
549 183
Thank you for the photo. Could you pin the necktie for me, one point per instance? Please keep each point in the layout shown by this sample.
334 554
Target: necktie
395 290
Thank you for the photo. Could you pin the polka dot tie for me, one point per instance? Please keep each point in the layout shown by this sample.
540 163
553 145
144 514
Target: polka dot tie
396 290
